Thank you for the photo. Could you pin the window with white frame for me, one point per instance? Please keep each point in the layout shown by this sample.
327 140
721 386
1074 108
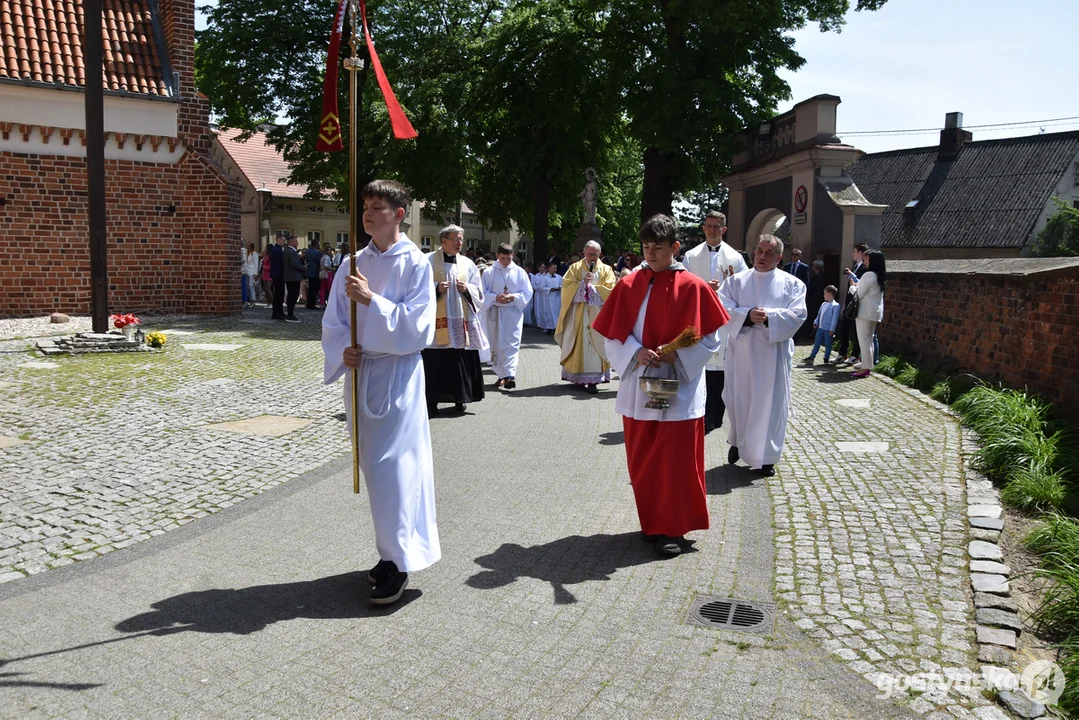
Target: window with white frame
471 243
282 232
314 236
425 242
342 239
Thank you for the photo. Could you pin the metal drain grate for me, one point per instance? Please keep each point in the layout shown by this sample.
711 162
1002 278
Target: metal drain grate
730 614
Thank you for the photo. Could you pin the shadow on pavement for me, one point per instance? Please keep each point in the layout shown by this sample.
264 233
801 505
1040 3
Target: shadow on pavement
721 480
567 561
563 390
5 682
612 438
249 610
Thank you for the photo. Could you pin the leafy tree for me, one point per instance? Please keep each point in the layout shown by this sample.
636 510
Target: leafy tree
693 73
691 208
541 116
1060 236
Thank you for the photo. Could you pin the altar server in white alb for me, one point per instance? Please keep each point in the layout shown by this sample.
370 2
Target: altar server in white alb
767 306
714 261
506 291
395 321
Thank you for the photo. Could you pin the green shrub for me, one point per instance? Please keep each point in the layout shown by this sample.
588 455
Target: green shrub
1004 453
916 377
1030 490
993 412
1055 538
890 365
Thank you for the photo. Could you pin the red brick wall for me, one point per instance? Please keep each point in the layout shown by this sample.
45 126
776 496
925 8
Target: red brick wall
182 261
1018 329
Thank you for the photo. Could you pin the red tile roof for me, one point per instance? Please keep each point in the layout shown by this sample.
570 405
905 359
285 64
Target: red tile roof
41 41
260 162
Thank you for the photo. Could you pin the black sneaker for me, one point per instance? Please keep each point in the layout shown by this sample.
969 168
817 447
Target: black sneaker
460 407
389 588
591 389
668 546
510 383
292 318
380 571
732 455
768 470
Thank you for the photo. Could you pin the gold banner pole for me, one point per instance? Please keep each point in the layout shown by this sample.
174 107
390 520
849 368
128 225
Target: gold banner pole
352 64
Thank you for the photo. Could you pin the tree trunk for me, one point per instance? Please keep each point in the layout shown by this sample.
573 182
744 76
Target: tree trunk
541 208
657 195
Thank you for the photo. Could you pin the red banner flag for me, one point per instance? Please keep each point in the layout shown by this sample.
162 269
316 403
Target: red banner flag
402 128
329 129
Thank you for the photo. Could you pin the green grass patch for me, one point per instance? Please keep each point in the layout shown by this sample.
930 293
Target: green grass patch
890 365
916 377
1055 537
1035 490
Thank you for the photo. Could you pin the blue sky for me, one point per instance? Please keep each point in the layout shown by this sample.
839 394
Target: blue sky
907 65
910 63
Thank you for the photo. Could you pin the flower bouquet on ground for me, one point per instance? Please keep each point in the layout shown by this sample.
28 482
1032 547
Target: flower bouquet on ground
122 321
126 324
156 339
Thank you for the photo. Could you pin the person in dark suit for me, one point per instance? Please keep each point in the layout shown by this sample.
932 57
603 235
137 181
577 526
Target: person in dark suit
277 277
845 325
797 268
313 261
293 273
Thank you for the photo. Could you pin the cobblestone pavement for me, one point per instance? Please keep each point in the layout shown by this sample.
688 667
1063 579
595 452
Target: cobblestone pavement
116 446
546 602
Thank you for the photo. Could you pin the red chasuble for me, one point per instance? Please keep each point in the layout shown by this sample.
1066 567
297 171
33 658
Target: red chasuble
665 458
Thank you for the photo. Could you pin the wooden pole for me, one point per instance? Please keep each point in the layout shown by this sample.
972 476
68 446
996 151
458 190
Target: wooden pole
355 207
95 167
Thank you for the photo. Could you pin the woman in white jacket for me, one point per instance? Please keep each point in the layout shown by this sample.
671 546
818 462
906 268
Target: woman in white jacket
251 271
870 291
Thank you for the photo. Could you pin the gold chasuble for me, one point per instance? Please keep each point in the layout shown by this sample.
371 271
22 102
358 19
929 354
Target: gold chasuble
584 359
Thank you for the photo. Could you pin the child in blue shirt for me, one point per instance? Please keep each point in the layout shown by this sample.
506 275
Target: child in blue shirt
825 325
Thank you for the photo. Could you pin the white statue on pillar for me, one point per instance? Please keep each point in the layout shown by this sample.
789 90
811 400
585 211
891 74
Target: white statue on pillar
588 197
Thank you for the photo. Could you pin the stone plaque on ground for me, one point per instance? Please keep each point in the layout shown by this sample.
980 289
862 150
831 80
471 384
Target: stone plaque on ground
853 403
224 347
39 365
265 425
6 441
862 447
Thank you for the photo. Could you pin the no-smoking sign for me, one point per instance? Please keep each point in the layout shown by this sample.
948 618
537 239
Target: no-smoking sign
801 198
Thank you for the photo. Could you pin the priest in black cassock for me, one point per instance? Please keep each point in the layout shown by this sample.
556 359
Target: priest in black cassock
452 363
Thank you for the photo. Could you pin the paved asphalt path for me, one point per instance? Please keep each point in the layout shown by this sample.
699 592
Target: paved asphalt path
546 603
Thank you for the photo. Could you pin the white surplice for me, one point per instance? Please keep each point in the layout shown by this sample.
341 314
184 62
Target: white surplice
718 265
688 404
757 391
504 321
395 438
463 310
539 300
554 300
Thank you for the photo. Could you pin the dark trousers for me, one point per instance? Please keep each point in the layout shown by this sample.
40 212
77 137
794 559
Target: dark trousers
714 409
278 297
292 293
846 329
312 292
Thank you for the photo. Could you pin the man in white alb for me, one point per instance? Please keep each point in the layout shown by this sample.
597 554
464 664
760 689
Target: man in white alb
506 291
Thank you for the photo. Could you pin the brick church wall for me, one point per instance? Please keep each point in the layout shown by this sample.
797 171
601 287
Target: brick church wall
1014 321
173 231
185 260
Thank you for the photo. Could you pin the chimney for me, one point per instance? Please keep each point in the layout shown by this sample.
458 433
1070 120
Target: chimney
953 136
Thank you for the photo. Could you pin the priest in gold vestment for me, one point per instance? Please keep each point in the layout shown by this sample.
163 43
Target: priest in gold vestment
585 288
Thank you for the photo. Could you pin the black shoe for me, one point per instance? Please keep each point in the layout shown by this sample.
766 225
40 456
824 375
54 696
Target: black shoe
732 455
510 383
390 588
648 538
668 546
591 389
379 572
432 410
460 407
768 470
292 318
498 382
